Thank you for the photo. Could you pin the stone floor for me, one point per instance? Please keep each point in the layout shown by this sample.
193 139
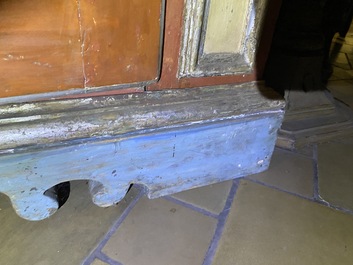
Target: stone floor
300 211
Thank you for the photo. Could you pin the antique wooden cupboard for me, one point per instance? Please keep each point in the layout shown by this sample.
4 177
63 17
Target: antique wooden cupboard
117 92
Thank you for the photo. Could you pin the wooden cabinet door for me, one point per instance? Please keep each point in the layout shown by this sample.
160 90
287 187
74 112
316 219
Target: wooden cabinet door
213 42
73 46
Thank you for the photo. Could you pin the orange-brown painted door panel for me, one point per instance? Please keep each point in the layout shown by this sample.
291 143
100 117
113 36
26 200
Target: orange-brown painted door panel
39 47
121 40
58 45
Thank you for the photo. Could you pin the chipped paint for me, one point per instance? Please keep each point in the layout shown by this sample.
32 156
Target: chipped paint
43 123
197 59
182 158
167 141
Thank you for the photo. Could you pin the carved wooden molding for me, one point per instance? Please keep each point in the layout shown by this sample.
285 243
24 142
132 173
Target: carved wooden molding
167 141
38 124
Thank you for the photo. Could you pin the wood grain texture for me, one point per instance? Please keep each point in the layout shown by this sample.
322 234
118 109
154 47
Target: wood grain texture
121 41
40 49
59 45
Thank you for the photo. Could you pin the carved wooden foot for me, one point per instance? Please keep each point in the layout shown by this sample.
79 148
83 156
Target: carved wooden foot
33 205
107 194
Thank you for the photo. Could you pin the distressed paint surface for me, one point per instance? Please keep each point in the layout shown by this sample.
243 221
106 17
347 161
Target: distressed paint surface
167 141
165 162
226 26
180 67
34 125
174 57
217 41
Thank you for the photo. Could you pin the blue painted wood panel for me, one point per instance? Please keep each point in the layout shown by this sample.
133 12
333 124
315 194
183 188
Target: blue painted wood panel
164 161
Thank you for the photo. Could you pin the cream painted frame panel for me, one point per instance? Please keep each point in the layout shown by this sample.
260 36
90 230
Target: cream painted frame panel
223 17
202 18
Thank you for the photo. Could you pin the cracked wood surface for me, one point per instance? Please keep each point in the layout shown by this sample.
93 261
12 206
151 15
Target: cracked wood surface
167 141
40 124
67 45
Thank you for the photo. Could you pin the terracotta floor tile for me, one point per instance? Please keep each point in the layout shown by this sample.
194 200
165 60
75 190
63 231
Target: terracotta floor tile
290 172
270 227
211 198
342 74
336 173
160 232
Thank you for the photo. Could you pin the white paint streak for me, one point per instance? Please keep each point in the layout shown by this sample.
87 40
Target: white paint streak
53 132
20 119
21 108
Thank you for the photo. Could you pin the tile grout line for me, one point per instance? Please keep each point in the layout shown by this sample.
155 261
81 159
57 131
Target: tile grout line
316 173
221 224
279 189
191 206
293 152
97 251
349 62
331 206
103 257
319 201
317 197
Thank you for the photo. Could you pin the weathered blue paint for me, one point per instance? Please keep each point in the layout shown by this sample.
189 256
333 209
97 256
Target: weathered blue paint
164 161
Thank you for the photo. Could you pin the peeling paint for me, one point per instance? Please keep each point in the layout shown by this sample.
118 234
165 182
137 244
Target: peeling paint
43 123
195 62
168 141
167 170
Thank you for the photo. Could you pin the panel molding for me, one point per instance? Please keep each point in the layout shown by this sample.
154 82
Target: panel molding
194 62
